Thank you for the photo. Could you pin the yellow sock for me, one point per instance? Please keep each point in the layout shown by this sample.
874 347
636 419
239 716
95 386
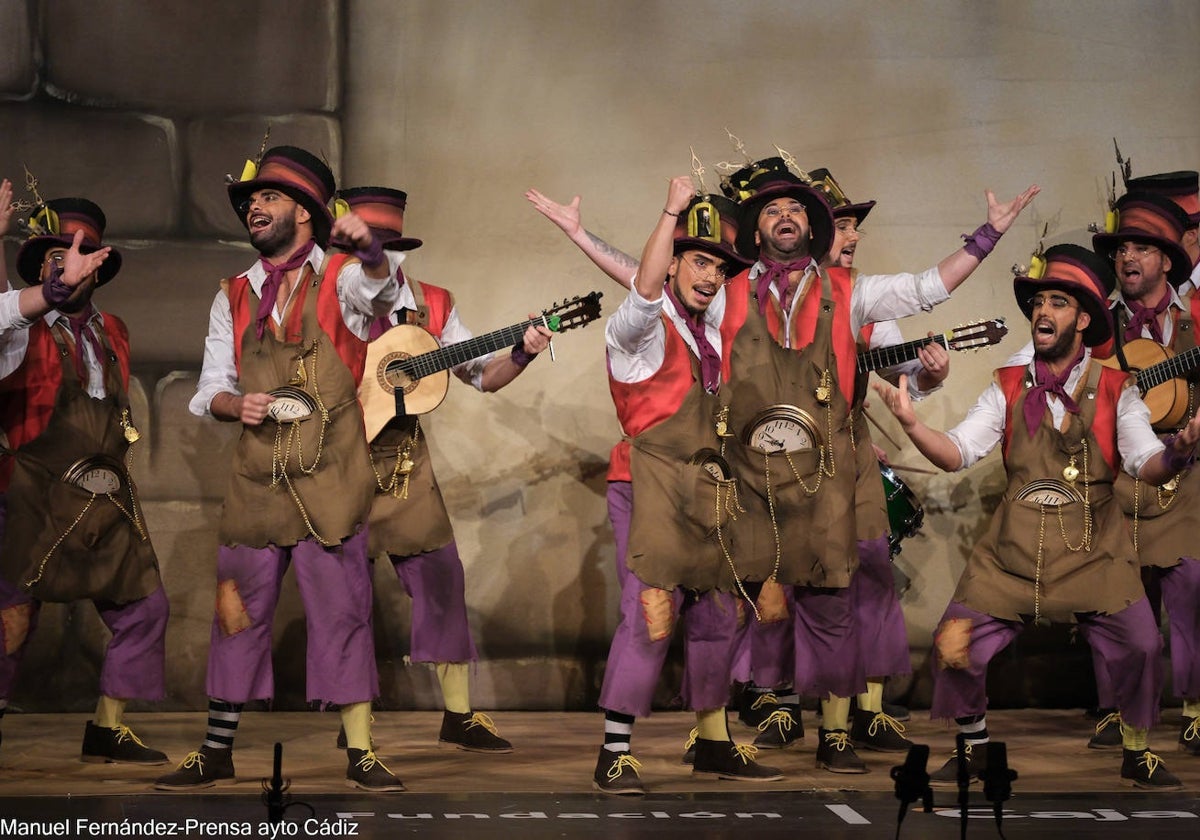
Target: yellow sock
109 711
835 713
872 699
455 682
1191 708
356 719
712 725
1135 738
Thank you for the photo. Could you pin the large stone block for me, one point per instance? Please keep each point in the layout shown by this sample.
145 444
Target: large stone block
221 55
126 163
18 70
216 148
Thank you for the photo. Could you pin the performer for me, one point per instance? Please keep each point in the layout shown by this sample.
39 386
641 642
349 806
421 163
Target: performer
409 522
70 517
804 375
1183 188
282 359
666 366
1057 548
1150 261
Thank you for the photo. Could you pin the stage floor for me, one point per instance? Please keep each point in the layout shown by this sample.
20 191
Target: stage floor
543 789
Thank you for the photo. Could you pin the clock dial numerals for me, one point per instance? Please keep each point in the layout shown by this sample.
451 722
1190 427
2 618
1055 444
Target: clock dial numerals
782 429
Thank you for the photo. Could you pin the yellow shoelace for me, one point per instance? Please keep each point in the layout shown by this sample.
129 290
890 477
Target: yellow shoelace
764 699
480 719
368 762
124 733
193 759
781 717
1150 761
691 740
746 752
1108 720
620 763
885 722
1192 733
839 739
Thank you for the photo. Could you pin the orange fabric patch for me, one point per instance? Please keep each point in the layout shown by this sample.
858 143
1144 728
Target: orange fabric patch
952 640
772 602
231 612
659 612
14 623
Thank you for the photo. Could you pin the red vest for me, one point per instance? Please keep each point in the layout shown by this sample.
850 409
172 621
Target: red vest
1104 426
438 302
27 394
1105 350
350 348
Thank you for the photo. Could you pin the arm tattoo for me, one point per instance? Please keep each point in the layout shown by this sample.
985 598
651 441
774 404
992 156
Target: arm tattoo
618 256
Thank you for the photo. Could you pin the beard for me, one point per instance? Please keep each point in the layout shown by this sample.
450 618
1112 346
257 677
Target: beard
1062 348
276 239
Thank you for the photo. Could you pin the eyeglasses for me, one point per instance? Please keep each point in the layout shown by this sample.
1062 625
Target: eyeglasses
708 268
57 259
793 209
1134 250
1053 301
849 226
264 199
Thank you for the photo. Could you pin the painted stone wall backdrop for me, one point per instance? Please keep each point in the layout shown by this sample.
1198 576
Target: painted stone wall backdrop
465 104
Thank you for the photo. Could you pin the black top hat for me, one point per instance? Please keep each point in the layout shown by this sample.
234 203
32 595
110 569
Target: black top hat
54 225
1151 219
710 224
1081 273
839 202
767 186
382 208
297 174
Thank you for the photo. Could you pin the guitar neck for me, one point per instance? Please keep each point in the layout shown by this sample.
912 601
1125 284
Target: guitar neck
464 351
895 354
1174 367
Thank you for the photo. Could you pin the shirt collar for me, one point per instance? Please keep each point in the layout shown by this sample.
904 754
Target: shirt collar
257 275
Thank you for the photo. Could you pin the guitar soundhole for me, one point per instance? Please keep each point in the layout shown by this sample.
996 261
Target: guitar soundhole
395 378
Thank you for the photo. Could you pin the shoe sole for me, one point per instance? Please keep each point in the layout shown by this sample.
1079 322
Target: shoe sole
1189 750
213 783
794 742
867 745
619 792
846 771
396 788
446 744
1134 783
951 785
734 777
1102 747
103 759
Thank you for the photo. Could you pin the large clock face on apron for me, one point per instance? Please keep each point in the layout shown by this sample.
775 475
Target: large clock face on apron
782 428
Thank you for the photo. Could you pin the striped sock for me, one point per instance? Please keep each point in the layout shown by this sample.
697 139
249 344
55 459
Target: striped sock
618 730
973 729
222 724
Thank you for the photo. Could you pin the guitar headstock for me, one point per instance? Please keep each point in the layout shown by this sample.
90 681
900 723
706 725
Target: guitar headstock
576 312
976 334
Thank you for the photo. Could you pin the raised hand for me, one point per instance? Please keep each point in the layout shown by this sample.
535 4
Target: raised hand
897 401
6 205
79 267
566 216
1001 215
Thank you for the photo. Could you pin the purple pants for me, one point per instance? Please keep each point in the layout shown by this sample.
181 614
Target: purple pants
878 619
828 655
135 659
1127 642
635 661
773 647
1181 596
436 583
335 586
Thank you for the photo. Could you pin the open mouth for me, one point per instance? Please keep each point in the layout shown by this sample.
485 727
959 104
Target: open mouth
705 293
786 229
1044 328
258 221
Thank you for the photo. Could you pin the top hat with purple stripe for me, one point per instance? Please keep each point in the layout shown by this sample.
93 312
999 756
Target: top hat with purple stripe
297 174
1150 219
382 208
54 225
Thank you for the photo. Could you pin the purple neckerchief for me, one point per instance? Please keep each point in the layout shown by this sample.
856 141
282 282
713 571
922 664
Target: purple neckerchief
1146 316
710 360
384 322
80 330
270 287
1046 383
778 273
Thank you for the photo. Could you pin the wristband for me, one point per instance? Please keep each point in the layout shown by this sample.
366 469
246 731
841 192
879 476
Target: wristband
981 242
1176 462
669 213
55 291
372 255
520 356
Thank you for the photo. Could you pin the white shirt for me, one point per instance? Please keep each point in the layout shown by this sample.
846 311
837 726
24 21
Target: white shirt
453 332
14 340
637 339
1168 324
983 427
357 293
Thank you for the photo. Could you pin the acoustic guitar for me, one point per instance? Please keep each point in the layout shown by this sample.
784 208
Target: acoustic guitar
1159 374
407 372
967 337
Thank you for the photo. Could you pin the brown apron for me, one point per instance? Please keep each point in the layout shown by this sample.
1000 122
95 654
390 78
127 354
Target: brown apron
300 478
64 542
1166 520
800 521
677 536
1040 560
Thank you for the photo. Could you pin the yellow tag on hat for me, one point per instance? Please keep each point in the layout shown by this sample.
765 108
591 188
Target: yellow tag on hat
249 171
341 207
47 219
1112 221
1037 267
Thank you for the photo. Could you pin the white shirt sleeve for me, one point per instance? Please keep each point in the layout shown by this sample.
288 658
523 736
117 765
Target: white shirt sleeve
983 427
884 297
14 332
636 338
1136 440
218 373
